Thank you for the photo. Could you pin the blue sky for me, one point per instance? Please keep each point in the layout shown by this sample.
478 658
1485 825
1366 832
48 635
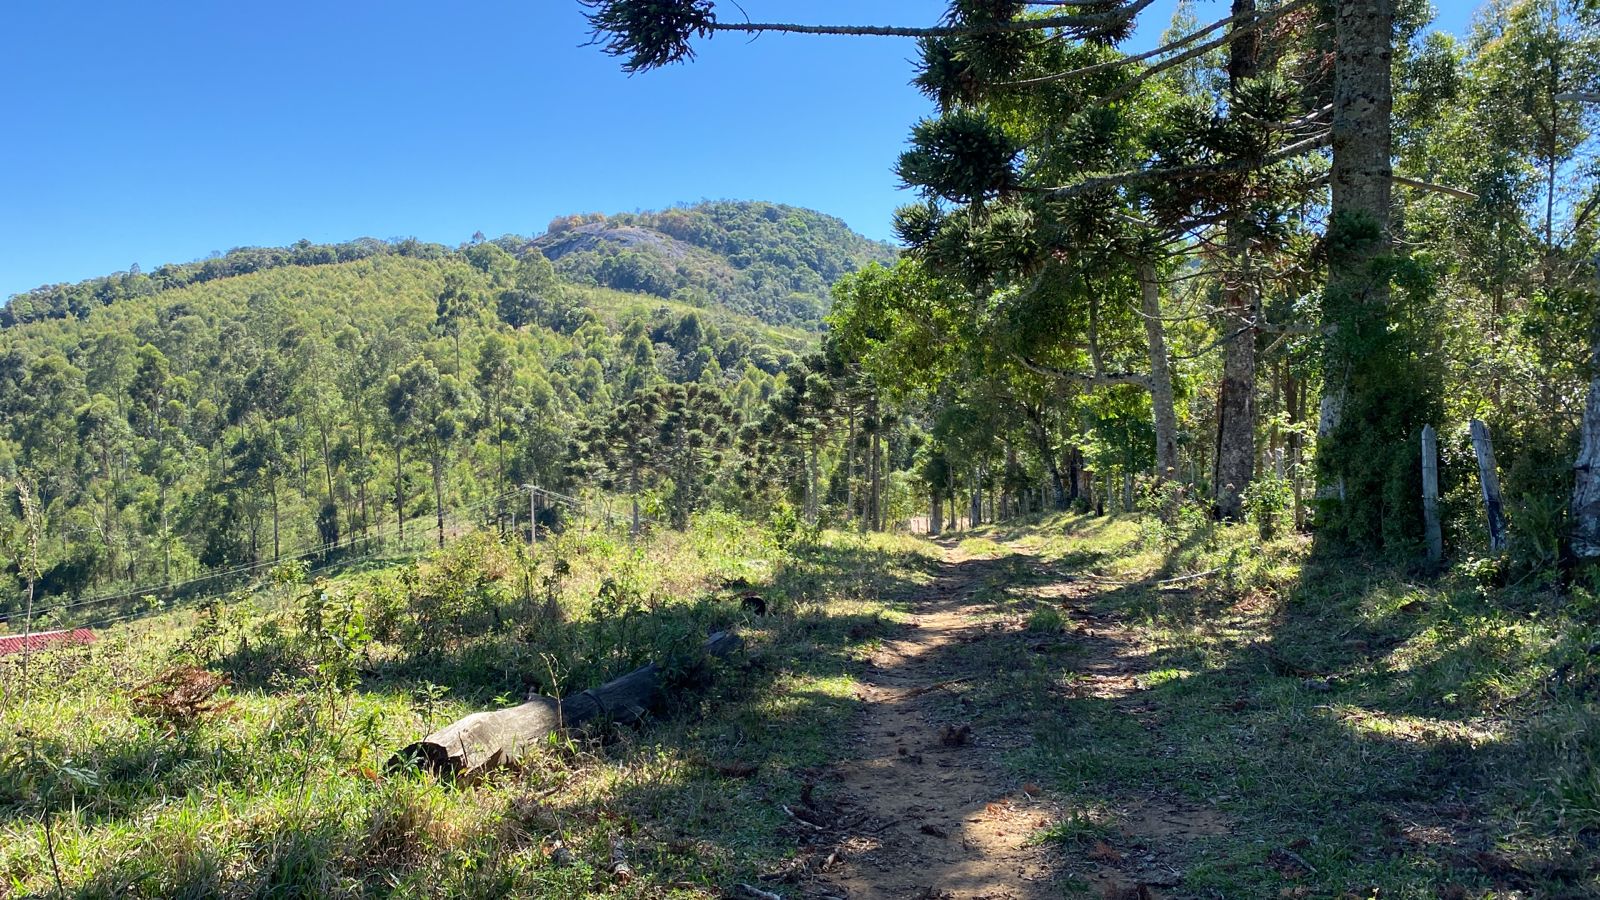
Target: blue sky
160 132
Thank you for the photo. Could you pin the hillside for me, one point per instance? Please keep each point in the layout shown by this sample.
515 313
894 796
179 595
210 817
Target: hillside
773 262
218 414
770 261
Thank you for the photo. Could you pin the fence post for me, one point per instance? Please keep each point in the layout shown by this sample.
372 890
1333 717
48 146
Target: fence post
1430 493
1489 477
533 514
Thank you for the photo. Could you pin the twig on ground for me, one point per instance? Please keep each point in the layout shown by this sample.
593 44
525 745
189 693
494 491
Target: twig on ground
795 816
928 689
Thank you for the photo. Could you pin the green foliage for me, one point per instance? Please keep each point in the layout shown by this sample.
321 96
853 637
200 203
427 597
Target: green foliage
1388 350
766 260
308 408
1267 502
649 34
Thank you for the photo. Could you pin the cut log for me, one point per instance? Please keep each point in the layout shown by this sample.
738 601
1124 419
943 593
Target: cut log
485 741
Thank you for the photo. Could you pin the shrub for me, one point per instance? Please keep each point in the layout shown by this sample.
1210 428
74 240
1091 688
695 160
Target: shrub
1267 502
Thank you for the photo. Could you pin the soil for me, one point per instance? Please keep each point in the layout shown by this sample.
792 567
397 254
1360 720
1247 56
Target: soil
924 808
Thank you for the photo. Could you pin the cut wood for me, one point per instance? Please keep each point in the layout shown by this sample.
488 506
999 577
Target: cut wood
487 740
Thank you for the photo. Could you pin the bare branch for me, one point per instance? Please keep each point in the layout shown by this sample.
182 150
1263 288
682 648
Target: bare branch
1096 182
1437 188
1261 19
1086 23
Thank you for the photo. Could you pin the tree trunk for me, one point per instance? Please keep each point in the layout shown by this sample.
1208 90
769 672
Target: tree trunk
1161 397
1236 412
935 514
877 475
1361 194
1041 437
811 484
438 493
633 496
399 494
276 518
850 463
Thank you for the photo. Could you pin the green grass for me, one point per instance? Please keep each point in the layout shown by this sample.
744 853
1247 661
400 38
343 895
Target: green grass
282 793
1406 738
1402 736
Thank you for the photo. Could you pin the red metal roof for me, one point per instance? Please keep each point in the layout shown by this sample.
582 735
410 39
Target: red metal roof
42 640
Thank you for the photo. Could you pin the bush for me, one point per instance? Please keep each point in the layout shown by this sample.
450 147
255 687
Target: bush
1267 502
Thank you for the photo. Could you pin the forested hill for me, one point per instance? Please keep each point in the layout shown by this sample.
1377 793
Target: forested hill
240 409
770 261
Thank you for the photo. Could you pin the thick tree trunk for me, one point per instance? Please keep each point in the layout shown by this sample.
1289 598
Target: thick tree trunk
1162 403
485 741
1236 421
1236 407
1361 194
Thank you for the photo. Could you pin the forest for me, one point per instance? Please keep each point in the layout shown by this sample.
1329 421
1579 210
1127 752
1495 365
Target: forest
270 402
1200 498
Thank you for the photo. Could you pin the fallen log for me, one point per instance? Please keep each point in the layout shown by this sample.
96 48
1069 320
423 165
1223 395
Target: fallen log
487 740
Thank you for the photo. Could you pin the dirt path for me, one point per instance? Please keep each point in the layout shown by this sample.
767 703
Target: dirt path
924 808
934 815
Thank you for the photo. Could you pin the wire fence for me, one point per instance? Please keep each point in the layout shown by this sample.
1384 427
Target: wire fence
383 539
547 511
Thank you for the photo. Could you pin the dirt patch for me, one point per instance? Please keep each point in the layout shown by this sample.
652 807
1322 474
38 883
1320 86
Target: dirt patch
923 807
932 813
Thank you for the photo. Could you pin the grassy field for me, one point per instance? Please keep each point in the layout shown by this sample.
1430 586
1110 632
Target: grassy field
1306 727
1208 716
279 789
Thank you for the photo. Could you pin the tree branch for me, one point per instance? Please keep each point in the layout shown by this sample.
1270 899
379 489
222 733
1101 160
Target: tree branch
1315 142
1436 188
1078 23
1261 19
1092 379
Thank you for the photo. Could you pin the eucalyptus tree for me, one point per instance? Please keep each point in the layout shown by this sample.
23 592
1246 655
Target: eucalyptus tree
456 306
427 410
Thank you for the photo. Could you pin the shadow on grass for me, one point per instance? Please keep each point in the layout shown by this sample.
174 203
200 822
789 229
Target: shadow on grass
774 714
1292 719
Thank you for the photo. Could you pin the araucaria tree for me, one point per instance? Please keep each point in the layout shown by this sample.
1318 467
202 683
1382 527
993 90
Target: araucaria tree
1209 223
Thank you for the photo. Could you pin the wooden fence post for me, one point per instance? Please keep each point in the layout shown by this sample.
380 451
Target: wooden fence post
1430 493
1586 471
1489 477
